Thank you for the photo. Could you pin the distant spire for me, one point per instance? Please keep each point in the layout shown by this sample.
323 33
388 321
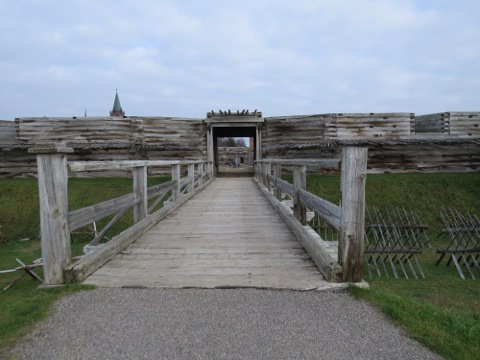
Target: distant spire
85 112
117 108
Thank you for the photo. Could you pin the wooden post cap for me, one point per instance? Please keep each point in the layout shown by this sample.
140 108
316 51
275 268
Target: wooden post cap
50 148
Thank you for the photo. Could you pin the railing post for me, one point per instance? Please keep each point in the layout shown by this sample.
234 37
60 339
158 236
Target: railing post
277 174
258 143
191 177
210 170
140 191
201 171
176 176
263 171
352 221
53 196
299 183
268 171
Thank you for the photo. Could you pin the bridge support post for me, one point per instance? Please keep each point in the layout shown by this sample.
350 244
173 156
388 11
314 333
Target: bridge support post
268 171
258 143
263 173
140 191
208 170
201 172
53 190
352 220
299 183
191 177
176 177
277 174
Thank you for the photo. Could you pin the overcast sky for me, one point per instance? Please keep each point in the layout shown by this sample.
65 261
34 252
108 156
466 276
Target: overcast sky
184 58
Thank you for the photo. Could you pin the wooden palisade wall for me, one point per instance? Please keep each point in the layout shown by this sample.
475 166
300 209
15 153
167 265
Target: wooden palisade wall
288 137
101 138
295 137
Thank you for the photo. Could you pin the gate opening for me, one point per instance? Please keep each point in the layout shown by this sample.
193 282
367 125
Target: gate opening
225 132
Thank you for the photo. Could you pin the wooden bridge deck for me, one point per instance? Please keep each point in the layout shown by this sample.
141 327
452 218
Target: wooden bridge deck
226 236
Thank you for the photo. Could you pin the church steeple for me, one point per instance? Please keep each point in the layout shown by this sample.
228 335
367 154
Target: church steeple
117 108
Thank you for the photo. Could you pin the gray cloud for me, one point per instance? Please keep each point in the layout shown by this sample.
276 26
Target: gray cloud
183 58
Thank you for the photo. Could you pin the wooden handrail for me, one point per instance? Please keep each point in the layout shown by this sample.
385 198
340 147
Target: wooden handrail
57 222
348 220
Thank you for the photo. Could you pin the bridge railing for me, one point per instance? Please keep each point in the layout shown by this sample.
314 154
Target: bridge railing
149 204
344 263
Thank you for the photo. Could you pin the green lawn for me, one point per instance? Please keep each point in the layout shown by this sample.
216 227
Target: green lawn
23 304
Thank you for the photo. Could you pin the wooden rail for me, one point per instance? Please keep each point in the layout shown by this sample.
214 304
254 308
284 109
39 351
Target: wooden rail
348 219
57 223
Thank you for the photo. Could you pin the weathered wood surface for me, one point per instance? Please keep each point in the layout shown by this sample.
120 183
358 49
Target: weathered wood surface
329 211
352 219
77 272
55 236
8 132
311 128
399 142
323 253
453 123
226 236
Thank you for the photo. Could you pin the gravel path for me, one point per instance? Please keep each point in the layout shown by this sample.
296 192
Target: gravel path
216 324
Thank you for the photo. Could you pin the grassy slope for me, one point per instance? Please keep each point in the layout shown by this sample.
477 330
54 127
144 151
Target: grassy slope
442 311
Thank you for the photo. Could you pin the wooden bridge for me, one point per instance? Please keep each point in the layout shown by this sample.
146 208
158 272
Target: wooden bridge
200 231
226 236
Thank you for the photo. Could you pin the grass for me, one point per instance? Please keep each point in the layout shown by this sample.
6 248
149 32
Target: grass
441 311
23 304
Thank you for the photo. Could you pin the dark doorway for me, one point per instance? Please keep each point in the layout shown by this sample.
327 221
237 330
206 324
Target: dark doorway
234 161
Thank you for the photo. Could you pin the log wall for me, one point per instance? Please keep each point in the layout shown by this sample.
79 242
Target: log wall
296 137
100 138
451 123
302 136
8 132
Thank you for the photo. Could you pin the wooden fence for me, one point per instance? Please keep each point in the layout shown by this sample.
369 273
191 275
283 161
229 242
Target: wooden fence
57 222
346 262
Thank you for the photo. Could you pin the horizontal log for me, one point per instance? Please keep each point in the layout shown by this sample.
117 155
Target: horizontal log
285 186
319 163
84 216
125 165
327 210
158 189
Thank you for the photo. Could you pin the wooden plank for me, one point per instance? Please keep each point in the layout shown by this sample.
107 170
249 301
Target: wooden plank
327 210
84 216
117 165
